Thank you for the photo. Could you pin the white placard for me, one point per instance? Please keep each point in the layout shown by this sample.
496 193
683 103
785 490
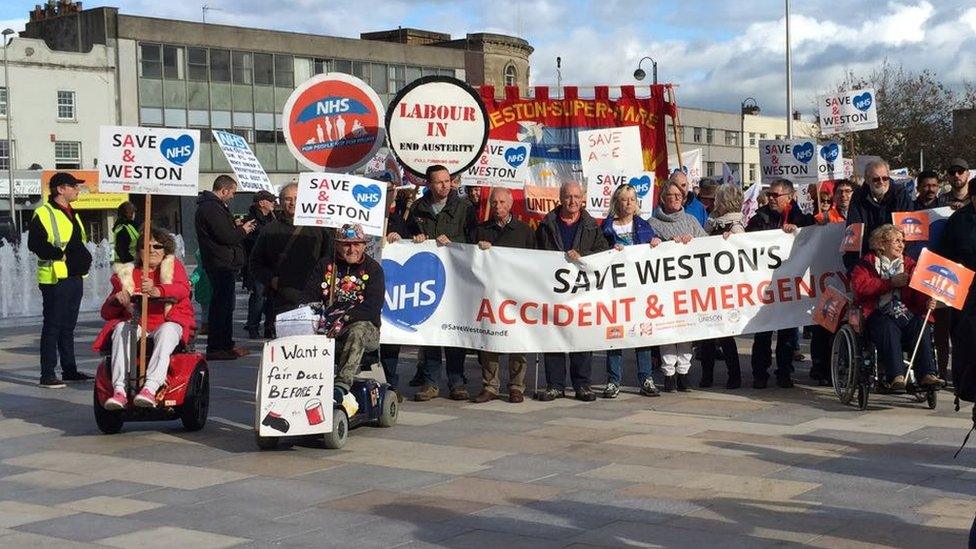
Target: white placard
251 176
148 160
600 189
849 111
294 388
691 164
502 164
830 161
611 150
793 159
333 200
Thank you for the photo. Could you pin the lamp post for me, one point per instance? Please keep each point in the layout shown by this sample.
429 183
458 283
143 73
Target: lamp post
752 109
10 144
639 74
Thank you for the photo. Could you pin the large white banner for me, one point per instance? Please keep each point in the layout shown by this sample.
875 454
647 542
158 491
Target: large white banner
459 295
849 111
148 160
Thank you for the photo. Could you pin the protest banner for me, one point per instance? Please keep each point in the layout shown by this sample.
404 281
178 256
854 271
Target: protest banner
600 189
830 161
941 279
333 200
88 196
791 159
691 164
848 168
541 200
849 111
914 225
639 296
610 150
750 201
333 122
829 309
853 238
502 164
294 387
251 176
148 160
437 120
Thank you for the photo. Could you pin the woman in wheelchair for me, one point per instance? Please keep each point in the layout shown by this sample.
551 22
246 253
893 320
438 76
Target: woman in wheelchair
171 320
895 313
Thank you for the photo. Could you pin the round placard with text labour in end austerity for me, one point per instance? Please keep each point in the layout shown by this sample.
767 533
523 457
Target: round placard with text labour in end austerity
333 122
437 120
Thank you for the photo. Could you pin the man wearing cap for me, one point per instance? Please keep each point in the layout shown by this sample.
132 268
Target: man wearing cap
352 312
262 212
958 176
57 236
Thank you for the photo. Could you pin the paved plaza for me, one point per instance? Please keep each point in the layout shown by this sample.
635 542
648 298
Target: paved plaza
713 468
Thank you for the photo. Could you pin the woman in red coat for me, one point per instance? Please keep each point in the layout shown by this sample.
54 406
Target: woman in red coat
895 313
170 321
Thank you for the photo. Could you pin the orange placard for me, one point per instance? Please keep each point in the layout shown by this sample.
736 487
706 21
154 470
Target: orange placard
541 200
830 308
853 237
914 225
89 198
941 279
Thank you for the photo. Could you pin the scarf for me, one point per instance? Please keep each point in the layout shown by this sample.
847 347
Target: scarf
889 302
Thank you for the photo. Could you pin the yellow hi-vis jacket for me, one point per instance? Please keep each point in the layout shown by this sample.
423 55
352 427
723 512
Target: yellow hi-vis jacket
59 229
133 237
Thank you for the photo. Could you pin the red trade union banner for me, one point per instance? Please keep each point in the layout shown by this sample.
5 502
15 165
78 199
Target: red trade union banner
334 122
941 279
914 225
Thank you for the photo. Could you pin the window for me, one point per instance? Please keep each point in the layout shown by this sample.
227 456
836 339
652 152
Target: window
511 75
264 136
342 65
219 65
241 67
263 69
150 116
752 139
151 61
199 118
412 74
196 61
67 155
4 155
709 169
3 101
322 66
220 119
175 118
709 136
762 136
752 172
397 79
66 105
696 135
172 63
378 77
284 71
732 138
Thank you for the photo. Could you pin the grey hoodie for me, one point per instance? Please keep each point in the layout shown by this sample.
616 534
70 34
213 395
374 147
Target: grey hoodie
667 226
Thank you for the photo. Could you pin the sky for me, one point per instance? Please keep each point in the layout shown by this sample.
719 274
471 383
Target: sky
718 52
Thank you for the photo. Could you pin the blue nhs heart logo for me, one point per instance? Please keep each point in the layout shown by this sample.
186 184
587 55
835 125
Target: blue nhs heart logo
413 290
642 185
830 152
179 150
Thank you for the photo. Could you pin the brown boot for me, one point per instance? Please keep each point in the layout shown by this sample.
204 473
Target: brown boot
426 393
515 396
483 397
459 393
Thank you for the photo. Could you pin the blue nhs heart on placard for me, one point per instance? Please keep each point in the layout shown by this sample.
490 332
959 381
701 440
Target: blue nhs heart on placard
830 151
803 152
642 185
413 290
179 150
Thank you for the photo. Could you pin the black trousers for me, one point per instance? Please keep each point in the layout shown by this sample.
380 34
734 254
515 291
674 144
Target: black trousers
61 302
729 351
762 353
220 317
580 365
820 344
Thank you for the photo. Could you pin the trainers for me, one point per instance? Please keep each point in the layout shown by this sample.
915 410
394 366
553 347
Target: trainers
145 399
612 390
117 401
426 393
76 376
550 394
669 384
649 389
51 383
585 394
898 383
459 393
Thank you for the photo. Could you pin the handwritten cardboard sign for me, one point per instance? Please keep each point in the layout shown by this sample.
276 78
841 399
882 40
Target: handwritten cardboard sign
294 392
251 176
610 150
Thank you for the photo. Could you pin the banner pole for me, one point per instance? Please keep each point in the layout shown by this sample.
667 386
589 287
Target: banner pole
918 341
675 123
144 320
335 268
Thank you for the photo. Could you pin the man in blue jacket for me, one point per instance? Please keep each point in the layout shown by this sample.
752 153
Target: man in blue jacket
692 205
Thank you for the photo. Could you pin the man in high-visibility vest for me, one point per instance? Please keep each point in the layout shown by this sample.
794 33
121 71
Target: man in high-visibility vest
57 237
125 234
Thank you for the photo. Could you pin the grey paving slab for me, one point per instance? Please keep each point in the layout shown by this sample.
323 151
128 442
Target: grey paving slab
83 527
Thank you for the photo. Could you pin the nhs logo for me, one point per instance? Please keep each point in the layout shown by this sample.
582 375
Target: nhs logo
413 289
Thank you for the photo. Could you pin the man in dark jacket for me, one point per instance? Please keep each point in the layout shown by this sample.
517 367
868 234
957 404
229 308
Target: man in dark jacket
222 253
284 255
442 215
873 204
569 229
262 212
502 229
780 212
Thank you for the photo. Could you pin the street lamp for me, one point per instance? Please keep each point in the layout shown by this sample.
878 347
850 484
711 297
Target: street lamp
10 147
639 74
752 109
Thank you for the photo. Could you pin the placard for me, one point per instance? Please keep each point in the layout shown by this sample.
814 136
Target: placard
610 150
148 160
792 159
691 164
333 200
298 321
914 225
333 123
853 238
829 309
941 279
251 176
437 120
849 111
599 193
830 161
294 388
502 164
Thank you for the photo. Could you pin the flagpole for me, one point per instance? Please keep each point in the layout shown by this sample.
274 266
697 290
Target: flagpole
789 78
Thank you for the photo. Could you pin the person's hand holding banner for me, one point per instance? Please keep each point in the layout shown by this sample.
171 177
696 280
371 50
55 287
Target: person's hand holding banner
941 279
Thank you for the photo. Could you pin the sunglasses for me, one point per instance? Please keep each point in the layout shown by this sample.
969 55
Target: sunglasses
775 195
157 246
957 171
880 178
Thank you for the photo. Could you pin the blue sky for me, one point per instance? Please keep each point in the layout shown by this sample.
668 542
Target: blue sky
718 51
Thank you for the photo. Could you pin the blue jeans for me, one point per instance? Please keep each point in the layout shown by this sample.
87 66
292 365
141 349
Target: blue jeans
616 356
258 305
389 356
61 302
454 356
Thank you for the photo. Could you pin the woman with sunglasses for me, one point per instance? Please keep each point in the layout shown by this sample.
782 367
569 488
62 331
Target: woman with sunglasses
171 320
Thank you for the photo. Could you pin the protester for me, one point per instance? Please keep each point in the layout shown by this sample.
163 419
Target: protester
442 215
957 175
222 254
57 236
873 203
568 228
692 206
927 186
124 234
623 226
671 222
894 313
170 320
706 193
958 243
352 313
725 219
396 220
781 212
841 191
502 229
284 254
262 212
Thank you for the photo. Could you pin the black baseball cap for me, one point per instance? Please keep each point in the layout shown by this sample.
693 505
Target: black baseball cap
958 163
263 195
63 178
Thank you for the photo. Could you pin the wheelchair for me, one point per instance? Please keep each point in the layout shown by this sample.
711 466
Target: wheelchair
855 371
